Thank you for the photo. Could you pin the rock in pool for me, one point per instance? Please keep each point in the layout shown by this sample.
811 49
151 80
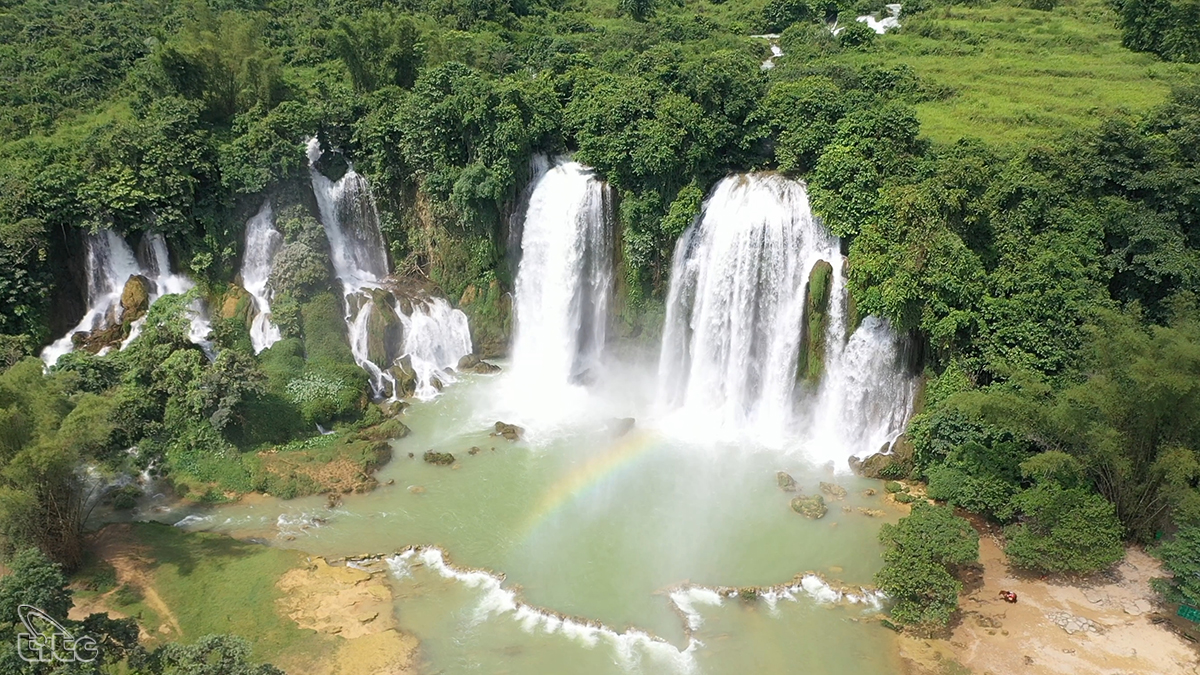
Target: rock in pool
511 432
810 507
785 480
439 458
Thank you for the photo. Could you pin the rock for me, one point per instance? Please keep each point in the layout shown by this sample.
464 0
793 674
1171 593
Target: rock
810 507
473 451
785 481
890 462
485 368
135 298
405 376
385 332
811 362
391 481
439 458
410 455
1094 596
874 513
416 489
510 432
468 362
834 490
869 492
333 500
620 426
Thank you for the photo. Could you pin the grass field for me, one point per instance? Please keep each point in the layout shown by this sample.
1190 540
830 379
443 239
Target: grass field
198 584
1017 76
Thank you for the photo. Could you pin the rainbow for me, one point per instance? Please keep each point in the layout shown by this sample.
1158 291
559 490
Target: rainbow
622 454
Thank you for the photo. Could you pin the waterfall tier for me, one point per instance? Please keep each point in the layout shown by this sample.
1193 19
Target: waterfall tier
736 326
115 278
262 243
407 342
564 278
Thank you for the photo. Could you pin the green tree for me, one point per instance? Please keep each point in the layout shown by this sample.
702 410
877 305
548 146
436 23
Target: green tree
1063 530
922 554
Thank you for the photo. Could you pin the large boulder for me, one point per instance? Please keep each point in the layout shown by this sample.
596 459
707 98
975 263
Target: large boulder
834 490
385 332
406 378
135 298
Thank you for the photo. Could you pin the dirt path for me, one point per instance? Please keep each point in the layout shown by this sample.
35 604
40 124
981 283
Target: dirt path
1102 627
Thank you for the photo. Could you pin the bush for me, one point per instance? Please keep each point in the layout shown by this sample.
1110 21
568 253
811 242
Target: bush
1064 530
923 552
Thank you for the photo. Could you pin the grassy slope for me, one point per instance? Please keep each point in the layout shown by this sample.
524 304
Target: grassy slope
216 584
1022 76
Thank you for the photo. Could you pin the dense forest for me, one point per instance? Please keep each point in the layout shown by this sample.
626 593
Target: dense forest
1048 268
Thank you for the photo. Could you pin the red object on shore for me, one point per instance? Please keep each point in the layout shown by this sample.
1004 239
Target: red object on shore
1008 596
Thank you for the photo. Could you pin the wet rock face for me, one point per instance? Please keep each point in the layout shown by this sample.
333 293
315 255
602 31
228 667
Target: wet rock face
471 363
810 507
785 481
894 460
135 298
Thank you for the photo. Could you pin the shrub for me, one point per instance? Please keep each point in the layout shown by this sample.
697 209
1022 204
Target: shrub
923 551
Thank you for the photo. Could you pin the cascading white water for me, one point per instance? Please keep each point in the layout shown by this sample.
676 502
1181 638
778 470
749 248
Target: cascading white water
262 243
109 263
864 399
436 335
564 278
156 263
735 312
351 223
736 302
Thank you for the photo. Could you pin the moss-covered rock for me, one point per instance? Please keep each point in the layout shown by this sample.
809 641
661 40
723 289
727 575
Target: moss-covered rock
385 332
489 310
438 458
811 362
236 303
894 460
834 490
135 299
404 375
810 507
785 481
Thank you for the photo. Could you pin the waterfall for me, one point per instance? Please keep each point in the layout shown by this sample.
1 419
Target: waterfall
735 316
156 265
564 278
108 262
434 335
351 223
262 243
